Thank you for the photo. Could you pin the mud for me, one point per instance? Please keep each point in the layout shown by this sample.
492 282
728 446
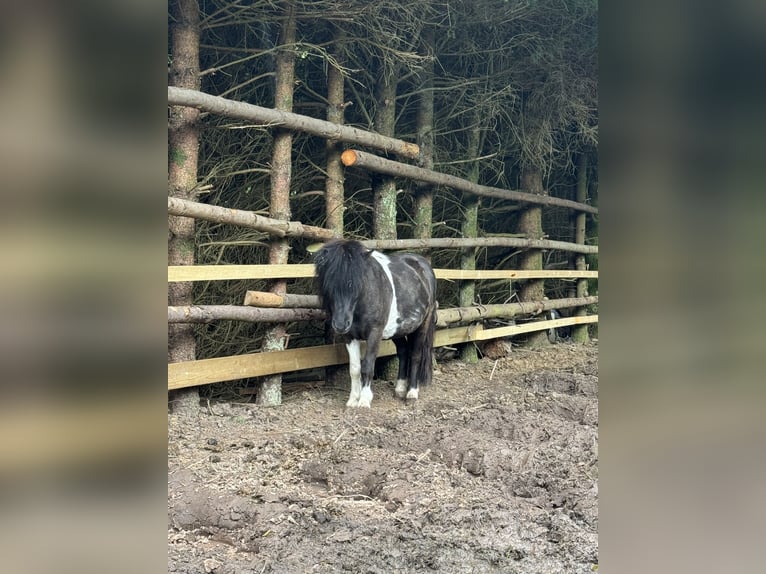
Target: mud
494 469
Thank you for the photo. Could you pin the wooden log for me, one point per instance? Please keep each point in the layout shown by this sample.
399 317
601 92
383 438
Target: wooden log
357 158
289 120
210 313
462 243
508 310
275 227
288 300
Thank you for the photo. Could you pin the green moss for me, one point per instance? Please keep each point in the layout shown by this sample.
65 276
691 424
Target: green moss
178 156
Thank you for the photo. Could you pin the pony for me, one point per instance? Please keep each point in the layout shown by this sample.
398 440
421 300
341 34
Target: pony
370 296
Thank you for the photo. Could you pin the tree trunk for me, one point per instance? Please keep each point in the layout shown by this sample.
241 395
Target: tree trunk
334 188
580 332
270 391
425 137
530 224
183 153
470 229
335 106
384 187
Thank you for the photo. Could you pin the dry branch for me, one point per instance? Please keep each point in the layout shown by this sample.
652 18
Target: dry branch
377 164
289 120
276 227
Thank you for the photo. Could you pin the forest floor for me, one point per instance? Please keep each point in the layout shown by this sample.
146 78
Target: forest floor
494 469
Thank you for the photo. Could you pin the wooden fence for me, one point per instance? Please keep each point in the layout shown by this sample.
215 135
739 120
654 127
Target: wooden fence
205 371
458 325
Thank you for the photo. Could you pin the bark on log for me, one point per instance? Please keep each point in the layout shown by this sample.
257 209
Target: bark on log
275 227
289 120
274 300
357 158
210 313
530 223
183 156
580 332
276 339
456 242
471 314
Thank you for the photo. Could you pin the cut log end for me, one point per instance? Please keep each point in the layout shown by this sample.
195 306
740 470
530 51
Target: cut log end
349 157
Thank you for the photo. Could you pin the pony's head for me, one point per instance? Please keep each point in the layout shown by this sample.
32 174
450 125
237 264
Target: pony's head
340 268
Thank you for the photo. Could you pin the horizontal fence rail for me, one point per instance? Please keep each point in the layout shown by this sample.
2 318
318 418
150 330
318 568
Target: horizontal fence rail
289 120
281 228
210 313
178 273
377 164
222 369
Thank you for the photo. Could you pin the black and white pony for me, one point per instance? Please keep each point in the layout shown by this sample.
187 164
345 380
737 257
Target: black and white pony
371 296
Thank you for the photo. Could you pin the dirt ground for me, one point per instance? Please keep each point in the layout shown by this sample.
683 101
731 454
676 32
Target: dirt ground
494 469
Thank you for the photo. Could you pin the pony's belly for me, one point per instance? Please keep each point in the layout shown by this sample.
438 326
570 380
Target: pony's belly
409 324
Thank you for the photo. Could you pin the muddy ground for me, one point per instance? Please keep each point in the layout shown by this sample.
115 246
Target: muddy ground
495 469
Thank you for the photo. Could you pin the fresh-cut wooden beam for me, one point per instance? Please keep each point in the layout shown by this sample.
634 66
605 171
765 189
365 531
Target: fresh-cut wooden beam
305 270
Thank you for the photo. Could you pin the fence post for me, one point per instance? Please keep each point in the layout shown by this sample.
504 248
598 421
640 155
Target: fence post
580 332
531 225
183 144
270 391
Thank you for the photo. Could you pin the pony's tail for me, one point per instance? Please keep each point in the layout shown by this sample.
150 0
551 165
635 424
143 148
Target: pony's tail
426 364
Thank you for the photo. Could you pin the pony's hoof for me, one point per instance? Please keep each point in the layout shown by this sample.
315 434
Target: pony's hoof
352 403
412 395
400 390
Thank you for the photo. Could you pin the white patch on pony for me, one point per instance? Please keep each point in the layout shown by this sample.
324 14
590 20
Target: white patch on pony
401 388
412 394
355 370
393 311
365 398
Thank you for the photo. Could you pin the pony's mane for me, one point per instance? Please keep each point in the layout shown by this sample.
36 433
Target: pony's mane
340 266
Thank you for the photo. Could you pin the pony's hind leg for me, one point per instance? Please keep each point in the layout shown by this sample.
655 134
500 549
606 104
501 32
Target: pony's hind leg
368 368
421 354
355 371
402 353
